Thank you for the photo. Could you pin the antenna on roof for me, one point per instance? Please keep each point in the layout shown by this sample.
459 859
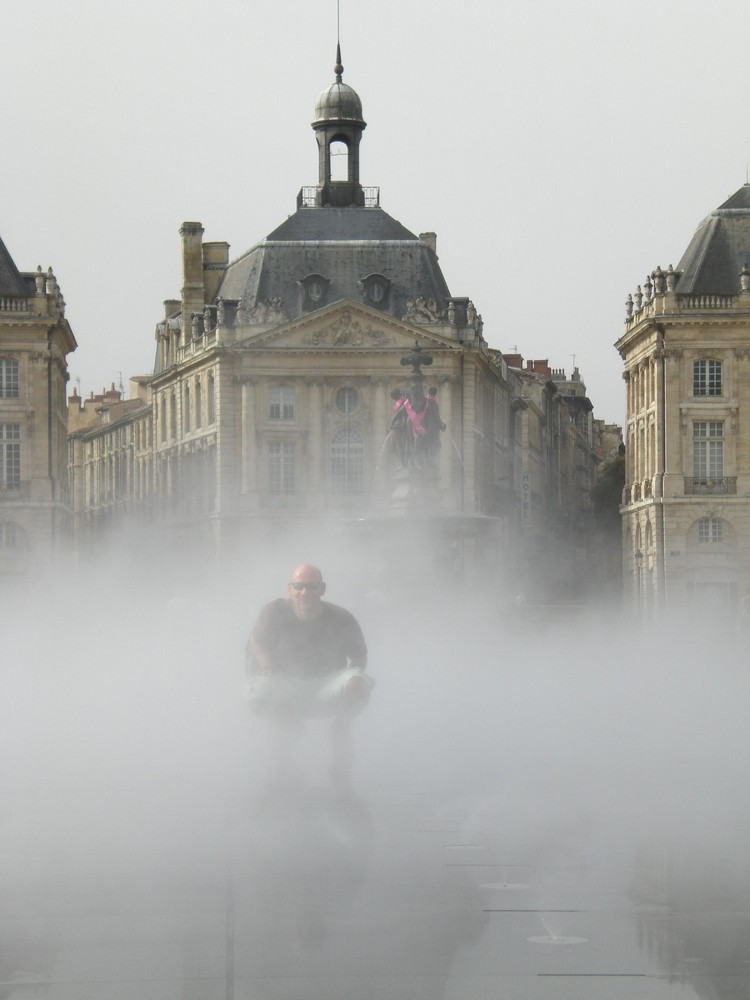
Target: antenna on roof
338 69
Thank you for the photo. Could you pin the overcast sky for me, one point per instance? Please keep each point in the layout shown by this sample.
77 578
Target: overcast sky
559 150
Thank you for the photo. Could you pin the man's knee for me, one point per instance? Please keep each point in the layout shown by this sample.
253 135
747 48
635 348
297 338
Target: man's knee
355 694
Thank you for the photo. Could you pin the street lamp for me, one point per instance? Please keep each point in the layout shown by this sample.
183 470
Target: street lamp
638 568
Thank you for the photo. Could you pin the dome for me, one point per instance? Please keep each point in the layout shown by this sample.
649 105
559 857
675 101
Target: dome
338 103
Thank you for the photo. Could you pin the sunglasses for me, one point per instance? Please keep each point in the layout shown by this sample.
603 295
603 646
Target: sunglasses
299 585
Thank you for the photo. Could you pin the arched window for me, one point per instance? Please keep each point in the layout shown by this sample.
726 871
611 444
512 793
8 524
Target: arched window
712 533
346 400
347 462
339 160
710 530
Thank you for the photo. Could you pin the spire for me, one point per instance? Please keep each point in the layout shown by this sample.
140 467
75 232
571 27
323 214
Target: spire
338 69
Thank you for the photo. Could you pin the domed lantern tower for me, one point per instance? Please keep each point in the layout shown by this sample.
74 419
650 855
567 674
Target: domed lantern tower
338 122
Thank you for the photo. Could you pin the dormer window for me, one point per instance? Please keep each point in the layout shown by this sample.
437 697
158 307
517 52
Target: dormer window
375 289
314 291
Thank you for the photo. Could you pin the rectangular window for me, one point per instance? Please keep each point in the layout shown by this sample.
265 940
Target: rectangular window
282 468
708 449
8 379
10 455
709 530
347 462
281 400
707 378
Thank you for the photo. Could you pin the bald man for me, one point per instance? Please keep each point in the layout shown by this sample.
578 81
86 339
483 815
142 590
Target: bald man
307 657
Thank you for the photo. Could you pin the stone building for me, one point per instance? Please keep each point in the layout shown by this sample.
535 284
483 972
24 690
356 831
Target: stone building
556 461
686 349
110 461
35 340
270 403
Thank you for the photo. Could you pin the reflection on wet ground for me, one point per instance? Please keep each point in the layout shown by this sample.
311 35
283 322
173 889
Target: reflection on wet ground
515 830
383 891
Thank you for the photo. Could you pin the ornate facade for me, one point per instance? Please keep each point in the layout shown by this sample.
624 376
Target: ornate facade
267 418
35 340
270 402
686 349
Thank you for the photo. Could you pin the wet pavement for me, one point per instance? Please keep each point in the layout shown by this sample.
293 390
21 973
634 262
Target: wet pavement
528 835
382 890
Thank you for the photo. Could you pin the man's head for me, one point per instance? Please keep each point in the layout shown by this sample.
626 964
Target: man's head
306 589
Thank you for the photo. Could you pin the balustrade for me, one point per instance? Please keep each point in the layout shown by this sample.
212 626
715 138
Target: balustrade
711 487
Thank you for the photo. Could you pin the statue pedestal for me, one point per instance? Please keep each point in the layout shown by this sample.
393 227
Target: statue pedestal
415 490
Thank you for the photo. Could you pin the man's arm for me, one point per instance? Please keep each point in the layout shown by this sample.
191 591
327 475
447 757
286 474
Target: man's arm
357 647
259 658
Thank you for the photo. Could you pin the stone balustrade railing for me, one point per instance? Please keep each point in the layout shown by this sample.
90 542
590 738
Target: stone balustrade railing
11 304
658 295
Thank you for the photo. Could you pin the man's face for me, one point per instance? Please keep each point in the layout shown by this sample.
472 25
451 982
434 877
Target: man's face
306 589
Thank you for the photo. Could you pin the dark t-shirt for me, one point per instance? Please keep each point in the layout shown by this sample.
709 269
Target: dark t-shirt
308 648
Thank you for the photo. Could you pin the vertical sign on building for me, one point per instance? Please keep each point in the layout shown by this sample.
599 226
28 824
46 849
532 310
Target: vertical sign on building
525 500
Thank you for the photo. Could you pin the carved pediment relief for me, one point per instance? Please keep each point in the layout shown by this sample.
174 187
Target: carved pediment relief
347 330
344 328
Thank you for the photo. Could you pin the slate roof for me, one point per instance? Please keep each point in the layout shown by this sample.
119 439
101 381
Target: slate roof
11 282
343 245
719 249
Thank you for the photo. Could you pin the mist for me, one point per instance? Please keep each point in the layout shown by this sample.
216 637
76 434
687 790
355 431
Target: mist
508 762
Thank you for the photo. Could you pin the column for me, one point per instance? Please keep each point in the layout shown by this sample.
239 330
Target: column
445 402
468 419
249 445
380 420
315 476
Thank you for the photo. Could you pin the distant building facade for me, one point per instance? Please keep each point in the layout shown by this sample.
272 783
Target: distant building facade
270 404
557 455
35 341
686 350
269 411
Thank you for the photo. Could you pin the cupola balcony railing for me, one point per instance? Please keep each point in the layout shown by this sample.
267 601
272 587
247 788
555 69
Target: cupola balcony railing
308 195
